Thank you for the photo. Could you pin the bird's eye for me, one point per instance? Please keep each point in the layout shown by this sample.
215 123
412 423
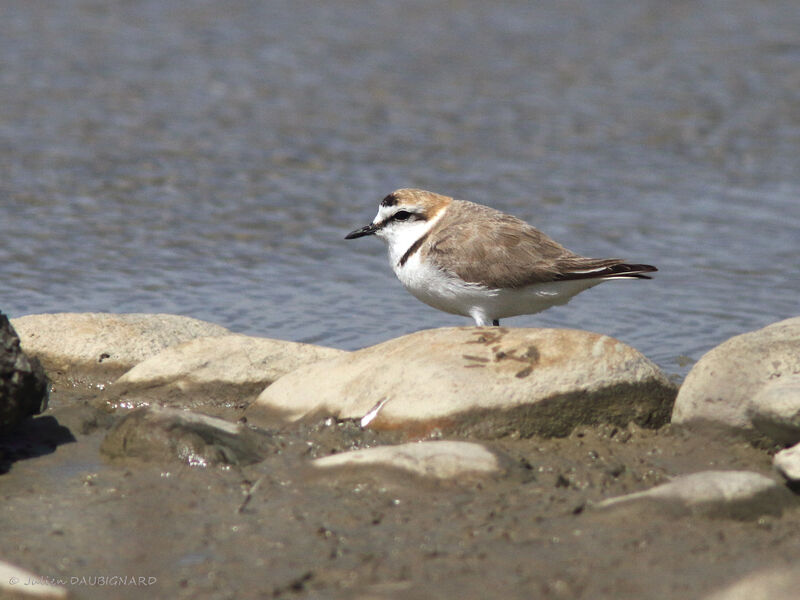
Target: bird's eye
402 215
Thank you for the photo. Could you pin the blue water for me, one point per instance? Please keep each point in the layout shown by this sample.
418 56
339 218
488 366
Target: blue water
207 158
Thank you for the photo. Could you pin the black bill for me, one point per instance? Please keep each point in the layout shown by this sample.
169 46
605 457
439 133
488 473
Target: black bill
366 230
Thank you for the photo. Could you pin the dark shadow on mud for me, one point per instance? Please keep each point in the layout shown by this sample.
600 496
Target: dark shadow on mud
34 437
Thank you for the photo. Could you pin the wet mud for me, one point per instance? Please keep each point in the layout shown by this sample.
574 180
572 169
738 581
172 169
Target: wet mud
271 529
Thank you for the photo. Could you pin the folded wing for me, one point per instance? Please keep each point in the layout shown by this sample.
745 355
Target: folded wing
486 247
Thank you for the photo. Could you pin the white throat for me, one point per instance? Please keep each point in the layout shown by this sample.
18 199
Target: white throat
400 237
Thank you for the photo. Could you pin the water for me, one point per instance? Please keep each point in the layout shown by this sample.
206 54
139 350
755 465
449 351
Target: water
207 158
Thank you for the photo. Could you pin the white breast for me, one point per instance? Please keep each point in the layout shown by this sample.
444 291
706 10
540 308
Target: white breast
422 278
432 286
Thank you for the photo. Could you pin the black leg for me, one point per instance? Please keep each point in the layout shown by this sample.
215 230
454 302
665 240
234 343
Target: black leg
496 322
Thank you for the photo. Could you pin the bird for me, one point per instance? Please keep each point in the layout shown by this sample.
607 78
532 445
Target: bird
472 260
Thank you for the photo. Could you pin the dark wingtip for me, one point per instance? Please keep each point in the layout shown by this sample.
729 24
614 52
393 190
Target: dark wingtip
642 268
632 271
613 270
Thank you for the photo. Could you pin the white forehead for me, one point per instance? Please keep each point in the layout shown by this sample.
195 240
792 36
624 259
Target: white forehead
384 212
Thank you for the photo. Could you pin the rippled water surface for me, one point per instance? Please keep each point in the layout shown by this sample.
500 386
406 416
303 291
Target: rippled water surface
207 158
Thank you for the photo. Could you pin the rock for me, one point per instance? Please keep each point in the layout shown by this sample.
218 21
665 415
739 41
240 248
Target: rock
93 349
439 460
718 390
222 371
23 385
487 382
775 410
773 584
725 494
16 582
159 434
787 463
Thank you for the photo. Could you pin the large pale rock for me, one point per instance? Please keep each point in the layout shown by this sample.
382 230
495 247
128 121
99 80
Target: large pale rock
773 584
229 370
160 434
23 385
487 382
718 390
775 410
731 494
443 460
93 349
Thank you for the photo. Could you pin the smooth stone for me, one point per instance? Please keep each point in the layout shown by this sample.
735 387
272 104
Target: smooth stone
221 371
23 384
437 460
718 390
725 494
772 584
15 582
787 463
487 382
775 410
94 349
160 434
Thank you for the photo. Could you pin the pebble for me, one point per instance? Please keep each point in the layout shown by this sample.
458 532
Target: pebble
727 494
437 460
158 434
787 463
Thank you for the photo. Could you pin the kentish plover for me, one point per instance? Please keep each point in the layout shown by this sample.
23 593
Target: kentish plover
472 260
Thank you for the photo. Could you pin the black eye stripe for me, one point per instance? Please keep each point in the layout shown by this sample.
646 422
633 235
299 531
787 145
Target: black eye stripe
400 216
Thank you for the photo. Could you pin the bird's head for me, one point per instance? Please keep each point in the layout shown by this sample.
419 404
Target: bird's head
405 213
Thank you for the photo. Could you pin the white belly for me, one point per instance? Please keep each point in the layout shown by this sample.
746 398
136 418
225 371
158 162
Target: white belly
452 295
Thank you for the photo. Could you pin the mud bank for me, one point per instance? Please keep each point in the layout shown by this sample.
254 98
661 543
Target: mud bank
277 529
